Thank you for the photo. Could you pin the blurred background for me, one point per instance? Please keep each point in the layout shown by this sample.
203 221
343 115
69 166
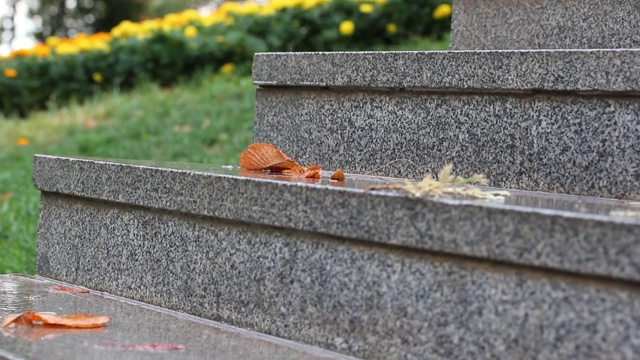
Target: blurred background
25 22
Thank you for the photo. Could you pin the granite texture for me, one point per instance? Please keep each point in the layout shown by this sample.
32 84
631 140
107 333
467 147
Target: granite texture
566 233
583 145
369 301
131 323
545 24
580 71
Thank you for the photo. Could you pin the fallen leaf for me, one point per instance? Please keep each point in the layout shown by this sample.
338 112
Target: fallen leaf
31 318
65 289
262 156
311 172
338 175
16 320
141 347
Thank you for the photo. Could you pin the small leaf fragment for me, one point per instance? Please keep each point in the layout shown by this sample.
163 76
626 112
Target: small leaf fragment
154 347
66 289
338 175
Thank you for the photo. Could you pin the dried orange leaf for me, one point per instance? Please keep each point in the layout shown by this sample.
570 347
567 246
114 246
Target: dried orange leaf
262 156
28 318
141 347
16 320
74 320
65 289
312 174
338 175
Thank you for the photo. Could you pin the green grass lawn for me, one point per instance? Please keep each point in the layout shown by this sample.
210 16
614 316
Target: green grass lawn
208 119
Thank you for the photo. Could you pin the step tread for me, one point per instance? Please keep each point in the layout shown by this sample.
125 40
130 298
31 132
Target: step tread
515 71
570 233
132 323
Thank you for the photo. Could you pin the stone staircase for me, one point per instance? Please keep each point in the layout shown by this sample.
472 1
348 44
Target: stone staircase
552 272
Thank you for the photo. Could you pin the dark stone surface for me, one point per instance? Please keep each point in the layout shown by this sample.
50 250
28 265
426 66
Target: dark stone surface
545 24
583 145
568 233
131 323
577 71
353 297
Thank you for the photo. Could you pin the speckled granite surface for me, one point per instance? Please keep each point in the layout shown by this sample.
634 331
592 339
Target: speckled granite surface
573 234
131 323
585 71
584 145
370 301
545 24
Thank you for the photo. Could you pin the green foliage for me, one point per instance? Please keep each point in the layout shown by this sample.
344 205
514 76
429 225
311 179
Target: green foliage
167 53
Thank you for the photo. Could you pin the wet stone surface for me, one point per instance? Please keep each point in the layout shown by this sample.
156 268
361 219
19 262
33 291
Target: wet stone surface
628 209
567 232
131 324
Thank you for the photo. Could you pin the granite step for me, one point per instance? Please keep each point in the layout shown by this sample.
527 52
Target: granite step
132 323
562 121
373 274
545 24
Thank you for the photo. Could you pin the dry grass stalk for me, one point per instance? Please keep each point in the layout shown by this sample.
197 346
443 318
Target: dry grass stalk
446 185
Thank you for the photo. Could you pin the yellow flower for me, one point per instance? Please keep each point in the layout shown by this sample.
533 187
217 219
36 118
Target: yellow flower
52 40
190 15
22 141
443 11
190 31
228 68
347 28
219 38
42 51
392 28
67 48
97 77
365 8
10 73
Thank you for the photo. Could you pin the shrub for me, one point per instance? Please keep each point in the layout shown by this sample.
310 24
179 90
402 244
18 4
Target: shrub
178 44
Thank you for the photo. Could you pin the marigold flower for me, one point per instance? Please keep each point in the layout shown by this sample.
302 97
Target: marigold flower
22 141
392 28
228 68
52 40
347 28
443 11
365 8
97 77
42 51
190 31
10 73
67 48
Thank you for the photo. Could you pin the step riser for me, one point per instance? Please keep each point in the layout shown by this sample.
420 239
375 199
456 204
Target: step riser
584 145
545 24
369 301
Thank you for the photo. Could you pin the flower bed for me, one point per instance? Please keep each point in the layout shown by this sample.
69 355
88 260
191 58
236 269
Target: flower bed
179 44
